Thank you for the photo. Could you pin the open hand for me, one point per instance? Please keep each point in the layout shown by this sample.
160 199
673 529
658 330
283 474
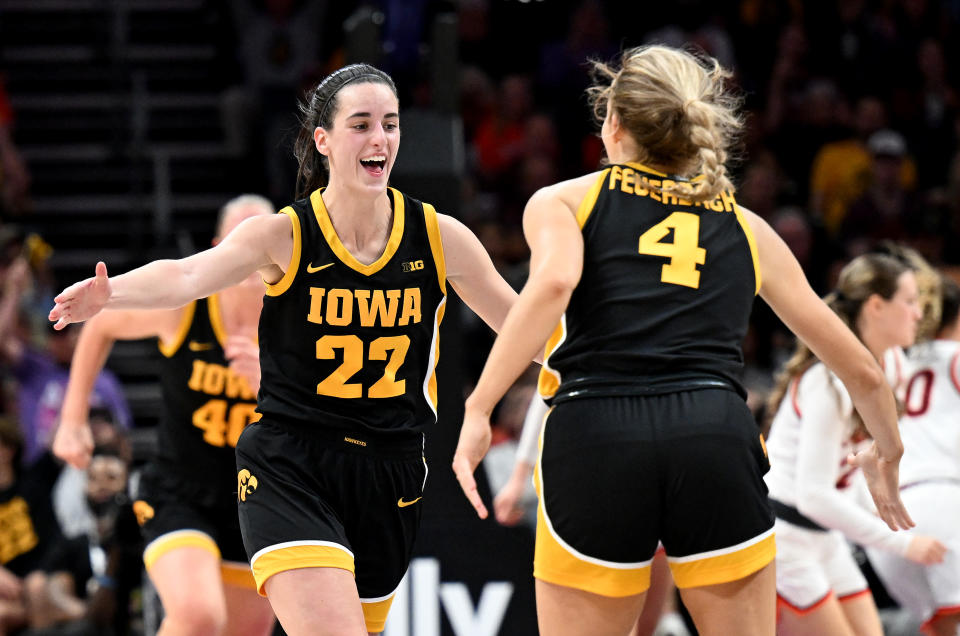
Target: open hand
884 483
473 445
82 300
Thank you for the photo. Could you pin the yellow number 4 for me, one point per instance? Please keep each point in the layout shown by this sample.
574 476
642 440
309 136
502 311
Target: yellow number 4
684 252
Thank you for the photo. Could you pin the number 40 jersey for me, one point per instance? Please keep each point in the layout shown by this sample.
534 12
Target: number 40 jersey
665 295
206 406
353 347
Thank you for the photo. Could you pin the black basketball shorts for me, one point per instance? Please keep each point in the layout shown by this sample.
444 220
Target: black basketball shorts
617 475
311 497
171 517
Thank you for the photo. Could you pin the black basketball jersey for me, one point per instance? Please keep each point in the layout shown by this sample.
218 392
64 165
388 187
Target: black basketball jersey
665 294
206 405
352 347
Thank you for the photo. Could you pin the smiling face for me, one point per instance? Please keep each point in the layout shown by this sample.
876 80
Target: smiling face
363 141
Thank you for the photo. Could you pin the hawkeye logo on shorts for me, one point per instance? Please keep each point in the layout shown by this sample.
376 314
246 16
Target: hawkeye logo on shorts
412 266
246 484
143 510
403 504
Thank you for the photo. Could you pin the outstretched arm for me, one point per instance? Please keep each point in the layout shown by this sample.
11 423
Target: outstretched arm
73 442
556 262
472 275
786 290
263 243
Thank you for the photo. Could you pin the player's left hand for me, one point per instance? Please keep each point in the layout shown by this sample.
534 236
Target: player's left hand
882 478
82 300
244 357
473 445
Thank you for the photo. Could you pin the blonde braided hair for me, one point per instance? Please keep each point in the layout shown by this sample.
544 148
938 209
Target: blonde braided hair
676 106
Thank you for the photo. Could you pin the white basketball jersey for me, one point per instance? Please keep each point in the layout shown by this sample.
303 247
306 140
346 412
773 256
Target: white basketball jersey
817 384
930 426
812 433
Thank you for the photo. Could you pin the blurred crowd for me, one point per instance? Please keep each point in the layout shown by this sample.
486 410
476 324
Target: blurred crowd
852 124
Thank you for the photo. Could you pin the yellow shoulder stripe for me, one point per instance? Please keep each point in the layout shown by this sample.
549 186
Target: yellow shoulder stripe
752 242
290 273
436 244
186 319
590 199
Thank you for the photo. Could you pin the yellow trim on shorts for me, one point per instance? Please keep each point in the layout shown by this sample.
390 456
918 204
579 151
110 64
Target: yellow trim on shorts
590 199
752 242
237 575
175 540
282 285
735 563
375 613
553 563
298 554
170 348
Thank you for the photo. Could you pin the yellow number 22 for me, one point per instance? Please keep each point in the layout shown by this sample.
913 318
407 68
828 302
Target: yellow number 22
337 385
684 252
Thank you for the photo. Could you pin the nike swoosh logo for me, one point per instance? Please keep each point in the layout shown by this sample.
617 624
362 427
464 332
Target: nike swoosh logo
200 346
311 269
403 504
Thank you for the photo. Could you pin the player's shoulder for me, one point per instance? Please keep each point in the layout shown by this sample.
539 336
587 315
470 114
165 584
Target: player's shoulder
819 377
569 192
576 187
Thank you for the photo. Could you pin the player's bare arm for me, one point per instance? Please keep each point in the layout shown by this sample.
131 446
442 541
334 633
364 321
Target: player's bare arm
472 275
263 244
786 290
556 262
73 442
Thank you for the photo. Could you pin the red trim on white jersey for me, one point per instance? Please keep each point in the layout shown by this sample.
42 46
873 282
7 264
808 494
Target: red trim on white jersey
954 375
794 390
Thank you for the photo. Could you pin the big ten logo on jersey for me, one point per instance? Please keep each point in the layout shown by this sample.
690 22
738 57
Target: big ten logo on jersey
416 607
412 266
17 535
220 422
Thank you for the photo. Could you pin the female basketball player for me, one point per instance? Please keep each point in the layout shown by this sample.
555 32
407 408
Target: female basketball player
819 584
186 507
930 474
331 477
510 506
650 268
